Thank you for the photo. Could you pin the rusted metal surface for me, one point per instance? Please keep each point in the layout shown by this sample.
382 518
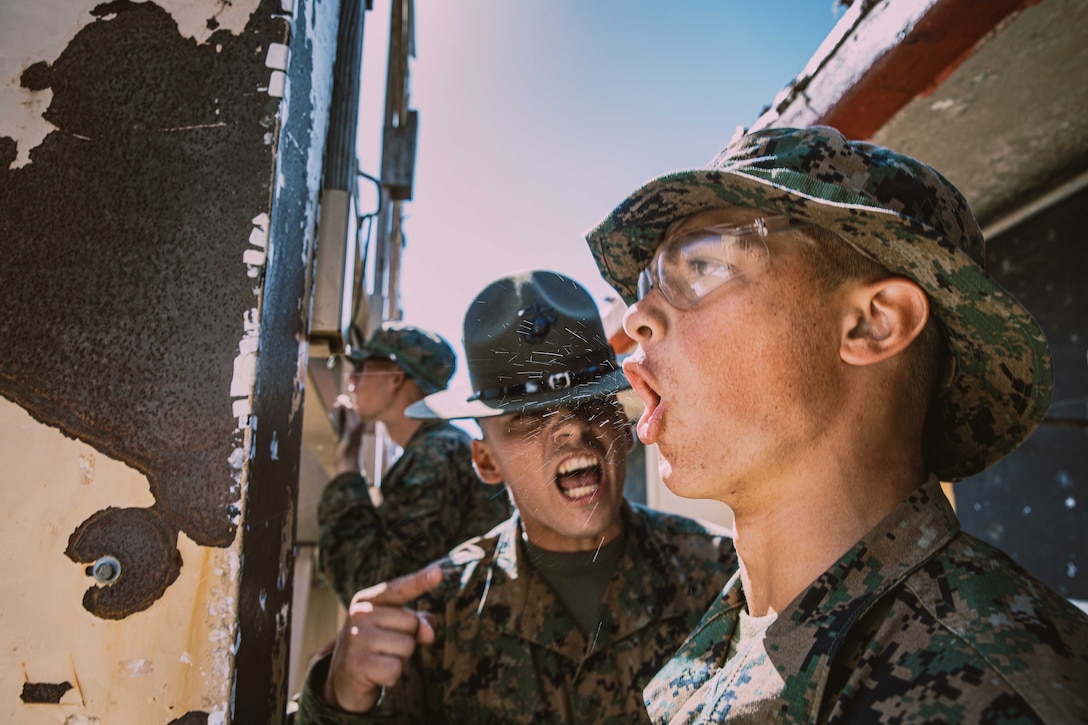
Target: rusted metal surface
191 718
48 693
145 550
122 293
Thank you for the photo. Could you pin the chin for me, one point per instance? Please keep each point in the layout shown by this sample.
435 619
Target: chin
684 486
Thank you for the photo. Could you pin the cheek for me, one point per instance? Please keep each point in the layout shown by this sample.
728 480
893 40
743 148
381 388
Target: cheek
741 367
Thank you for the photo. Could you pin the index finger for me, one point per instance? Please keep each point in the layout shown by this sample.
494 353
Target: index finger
400 591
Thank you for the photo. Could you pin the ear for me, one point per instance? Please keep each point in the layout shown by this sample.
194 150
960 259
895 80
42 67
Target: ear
487 466
882 318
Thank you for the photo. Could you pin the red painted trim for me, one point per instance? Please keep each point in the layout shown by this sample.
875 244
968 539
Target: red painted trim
936 46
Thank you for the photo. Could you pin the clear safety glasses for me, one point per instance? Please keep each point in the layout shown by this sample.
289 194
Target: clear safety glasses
688 267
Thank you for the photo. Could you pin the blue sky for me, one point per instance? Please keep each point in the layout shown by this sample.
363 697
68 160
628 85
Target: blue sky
537 118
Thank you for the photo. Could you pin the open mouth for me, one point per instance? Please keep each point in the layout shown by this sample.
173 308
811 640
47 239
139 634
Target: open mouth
579 477
649 422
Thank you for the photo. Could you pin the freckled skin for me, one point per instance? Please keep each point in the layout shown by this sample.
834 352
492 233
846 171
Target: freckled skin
746 376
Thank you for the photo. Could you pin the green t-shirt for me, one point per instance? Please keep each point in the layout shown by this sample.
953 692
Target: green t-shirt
579 578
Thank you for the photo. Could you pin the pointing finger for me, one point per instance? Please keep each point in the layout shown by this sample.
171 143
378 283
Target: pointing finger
402 590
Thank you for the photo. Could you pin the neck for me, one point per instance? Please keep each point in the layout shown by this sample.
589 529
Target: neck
795 518
792 529
401 428
547 539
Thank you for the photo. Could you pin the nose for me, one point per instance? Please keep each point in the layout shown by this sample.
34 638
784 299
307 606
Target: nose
644 321
570 426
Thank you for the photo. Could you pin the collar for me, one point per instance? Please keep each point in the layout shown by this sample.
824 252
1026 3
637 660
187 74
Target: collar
821 617
537 616
809 632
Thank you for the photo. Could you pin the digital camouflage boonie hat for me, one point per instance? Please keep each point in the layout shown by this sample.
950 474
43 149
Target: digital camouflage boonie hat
533 341
904 215
425 356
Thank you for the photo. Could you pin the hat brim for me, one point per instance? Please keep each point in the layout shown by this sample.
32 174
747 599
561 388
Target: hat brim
999 386
359 354
454 404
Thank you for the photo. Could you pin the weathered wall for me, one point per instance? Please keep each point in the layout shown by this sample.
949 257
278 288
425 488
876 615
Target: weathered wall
1031 505
157 176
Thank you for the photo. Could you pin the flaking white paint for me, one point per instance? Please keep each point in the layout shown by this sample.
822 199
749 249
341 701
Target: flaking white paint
33 31
245 363
192 15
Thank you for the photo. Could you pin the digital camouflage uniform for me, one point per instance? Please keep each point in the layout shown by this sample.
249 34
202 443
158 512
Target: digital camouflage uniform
432 501
918 622
508 652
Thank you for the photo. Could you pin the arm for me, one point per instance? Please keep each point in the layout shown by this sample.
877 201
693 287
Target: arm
429 495
370 653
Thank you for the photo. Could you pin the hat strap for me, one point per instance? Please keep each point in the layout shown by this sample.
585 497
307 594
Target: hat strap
556 381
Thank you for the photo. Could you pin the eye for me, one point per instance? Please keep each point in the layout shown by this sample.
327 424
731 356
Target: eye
707 267
706 272
521 423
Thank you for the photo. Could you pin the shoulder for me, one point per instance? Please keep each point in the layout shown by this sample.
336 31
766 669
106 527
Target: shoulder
981 593
441 432
676 528
439 439
678 566
973 611
684 544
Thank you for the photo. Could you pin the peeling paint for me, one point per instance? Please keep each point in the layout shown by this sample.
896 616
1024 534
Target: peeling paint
77 719
44 692
145 131
197 20
253 257
22 109
277 56
277 84
245 368
137 668
86 467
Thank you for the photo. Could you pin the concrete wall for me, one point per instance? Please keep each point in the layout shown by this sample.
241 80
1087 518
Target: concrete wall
159 163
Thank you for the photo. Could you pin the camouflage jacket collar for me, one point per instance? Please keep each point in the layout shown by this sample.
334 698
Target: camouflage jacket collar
629 604
816 624
810 631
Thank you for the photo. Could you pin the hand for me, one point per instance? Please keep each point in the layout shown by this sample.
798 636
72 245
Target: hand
378 637
351 436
